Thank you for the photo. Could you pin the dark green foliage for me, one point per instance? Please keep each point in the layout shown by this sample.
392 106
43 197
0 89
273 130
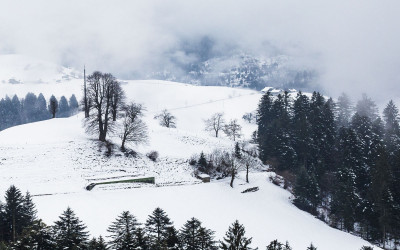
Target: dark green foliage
275 245
97 244
202 163
14 214
157 226
63 107
73 104
37 236
70 232
195 237
311 247
123 232
306 192
53 106
235 238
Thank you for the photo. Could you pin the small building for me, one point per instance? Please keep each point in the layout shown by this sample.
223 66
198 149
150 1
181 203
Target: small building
204 177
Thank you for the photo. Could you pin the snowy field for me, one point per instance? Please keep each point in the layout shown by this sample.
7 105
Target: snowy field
55 160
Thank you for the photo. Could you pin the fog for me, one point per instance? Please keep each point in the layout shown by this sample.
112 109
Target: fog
354 45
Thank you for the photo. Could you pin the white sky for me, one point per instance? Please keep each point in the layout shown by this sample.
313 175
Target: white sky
355 45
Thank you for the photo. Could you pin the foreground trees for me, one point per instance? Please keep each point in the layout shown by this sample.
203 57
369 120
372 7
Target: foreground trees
69 232
338 159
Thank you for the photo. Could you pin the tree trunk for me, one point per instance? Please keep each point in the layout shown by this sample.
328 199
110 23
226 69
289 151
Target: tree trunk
123 143
247 173
232 179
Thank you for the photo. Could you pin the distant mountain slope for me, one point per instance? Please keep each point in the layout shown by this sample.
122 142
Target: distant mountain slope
17 69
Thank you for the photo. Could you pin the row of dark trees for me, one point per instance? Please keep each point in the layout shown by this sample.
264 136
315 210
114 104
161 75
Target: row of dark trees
341 159
21 229
15 111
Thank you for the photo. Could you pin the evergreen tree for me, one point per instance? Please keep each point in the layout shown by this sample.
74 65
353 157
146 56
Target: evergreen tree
37 236
73 104
311 247
123 232
194 237
173 241
63 107
306 192
303 142
70 232
263 121
202 163
275 245
235 238
142 240
29 108
53 106
97 244
392 128
367 107
41 108
14 213
28 210
344 111
157 228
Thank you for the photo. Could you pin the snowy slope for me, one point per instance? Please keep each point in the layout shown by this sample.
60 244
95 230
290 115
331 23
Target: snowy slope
55 160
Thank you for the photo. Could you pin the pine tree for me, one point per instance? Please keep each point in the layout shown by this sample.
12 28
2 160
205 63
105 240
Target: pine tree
306 192
311 247
344 111
263 121
36 236
157 228
202 162
53 106
302 140
63 107
195 237
235 238
41 108
189 234
142 239
70 232
275 245
123 232
392 128
73 104
29 210
206 239
14 213
97 244
173 242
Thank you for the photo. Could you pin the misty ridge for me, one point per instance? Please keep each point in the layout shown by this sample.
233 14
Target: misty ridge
333 47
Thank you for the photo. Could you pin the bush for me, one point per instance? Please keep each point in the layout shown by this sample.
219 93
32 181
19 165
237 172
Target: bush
153 155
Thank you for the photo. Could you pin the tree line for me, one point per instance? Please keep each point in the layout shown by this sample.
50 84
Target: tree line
21 229
339 158
16 111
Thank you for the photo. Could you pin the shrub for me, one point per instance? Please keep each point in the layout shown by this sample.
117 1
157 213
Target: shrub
152 155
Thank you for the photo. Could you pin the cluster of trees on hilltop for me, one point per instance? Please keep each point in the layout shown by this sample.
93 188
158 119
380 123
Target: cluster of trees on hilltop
15 111
342 158
21 229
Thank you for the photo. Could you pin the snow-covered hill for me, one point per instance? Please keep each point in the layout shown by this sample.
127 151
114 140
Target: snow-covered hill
19 69
55 160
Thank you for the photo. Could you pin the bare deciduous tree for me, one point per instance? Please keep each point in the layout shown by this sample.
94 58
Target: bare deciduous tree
234 166
117 99
166 119
233 129
134 129
215 123
99 94
249 159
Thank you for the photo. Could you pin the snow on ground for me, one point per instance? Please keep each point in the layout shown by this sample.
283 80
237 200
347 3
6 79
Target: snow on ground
55 160
267 214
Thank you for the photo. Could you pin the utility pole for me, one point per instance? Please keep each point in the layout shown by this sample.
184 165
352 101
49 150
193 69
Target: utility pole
85 96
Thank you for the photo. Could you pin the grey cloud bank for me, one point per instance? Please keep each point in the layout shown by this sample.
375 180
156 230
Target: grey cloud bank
354 45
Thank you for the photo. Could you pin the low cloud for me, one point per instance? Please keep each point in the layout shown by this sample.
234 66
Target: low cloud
354 45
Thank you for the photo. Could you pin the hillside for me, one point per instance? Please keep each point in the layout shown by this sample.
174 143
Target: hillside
55 160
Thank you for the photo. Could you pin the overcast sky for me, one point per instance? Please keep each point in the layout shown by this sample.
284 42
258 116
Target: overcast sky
355 45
